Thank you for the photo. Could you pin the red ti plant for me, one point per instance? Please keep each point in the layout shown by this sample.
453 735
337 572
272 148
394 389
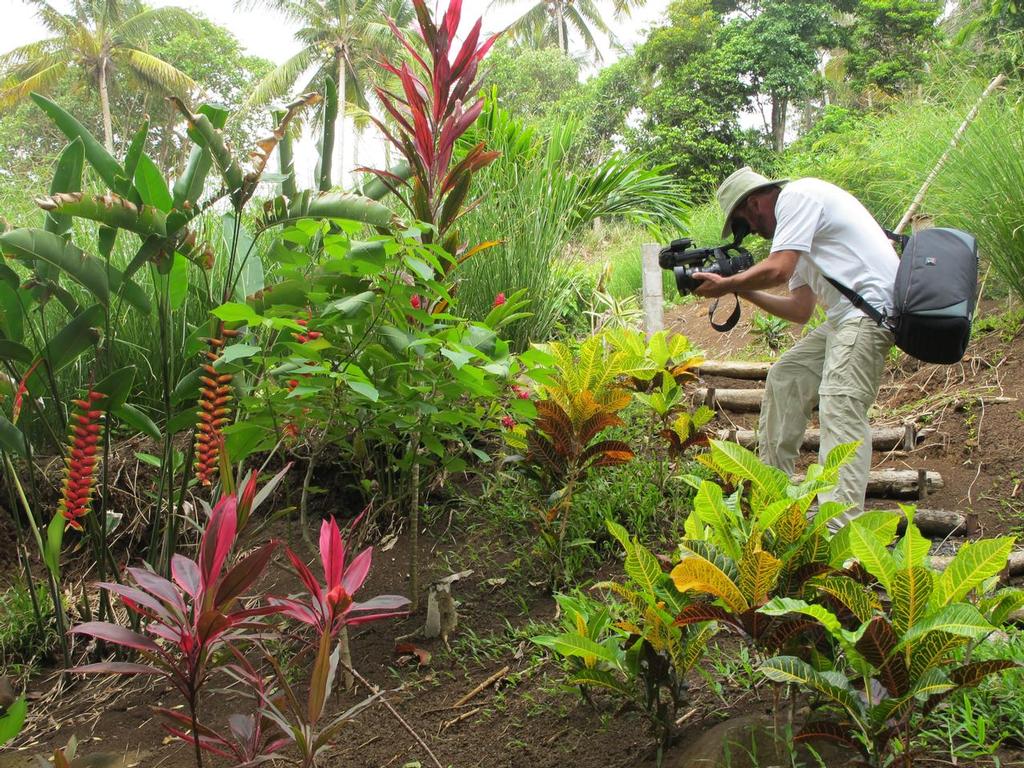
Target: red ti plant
331 607
328 608
430 116
189 618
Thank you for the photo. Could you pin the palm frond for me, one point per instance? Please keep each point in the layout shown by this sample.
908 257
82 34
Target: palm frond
38 82
575 18
278 82
156 71
141 25
26 54
52 19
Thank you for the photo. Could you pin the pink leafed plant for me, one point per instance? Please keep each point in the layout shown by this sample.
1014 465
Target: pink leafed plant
189 617
330 607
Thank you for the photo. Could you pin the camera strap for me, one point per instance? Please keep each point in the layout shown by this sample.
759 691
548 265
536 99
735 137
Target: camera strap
730 321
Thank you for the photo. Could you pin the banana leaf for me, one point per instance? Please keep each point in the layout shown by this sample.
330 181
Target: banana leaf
106 166
65 347
330 115
325 205
112 211
32 244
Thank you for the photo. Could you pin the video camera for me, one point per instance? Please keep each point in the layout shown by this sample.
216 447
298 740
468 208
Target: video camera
685 260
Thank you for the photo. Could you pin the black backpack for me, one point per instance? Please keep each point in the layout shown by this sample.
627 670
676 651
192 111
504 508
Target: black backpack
934 295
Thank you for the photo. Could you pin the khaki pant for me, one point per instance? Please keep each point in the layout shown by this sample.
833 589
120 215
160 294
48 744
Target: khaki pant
839 368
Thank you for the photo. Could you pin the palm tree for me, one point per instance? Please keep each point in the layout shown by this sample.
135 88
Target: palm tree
549 21
94 41
343 39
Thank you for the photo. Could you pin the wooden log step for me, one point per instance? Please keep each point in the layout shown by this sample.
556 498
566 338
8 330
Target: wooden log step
737 400
1014 566
735 369
903 483
936 523
882 438
899 483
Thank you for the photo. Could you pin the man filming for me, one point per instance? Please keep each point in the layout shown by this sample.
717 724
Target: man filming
817 230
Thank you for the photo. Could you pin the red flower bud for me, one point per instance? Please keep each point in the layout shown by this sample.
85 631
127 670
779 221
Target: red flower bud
416 301
499 300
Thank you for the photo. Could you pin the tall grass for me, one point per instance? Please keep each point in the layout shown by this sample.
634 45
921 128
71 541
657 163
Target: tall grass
535 200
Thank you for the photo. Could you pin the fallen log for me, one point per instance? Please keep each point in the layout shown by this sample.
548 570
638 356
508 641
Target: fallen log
882 438
903 483
1014 565
734 369
898 483
738 400
942 522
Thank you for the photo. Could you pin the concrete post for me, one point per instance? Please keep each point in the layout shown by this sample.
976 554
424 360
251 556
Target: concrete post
654 300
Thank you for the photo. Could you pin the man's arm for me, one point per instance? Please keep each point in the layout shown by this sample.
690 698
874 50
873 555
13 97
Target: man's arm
796 307
773 271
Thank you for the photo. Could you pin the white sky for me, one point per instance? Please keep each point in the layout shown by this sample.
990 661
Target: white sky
264 33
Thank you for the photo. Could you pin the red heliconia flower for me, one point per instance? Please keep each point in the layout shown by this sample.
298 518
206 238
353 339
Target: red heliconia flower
508 422
499 300
416 301
214 396
86 425
329 606
19 395
521 393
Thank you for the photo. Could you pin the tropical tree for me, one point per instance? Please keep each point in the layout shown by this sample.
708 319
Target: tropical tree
343 43
97 38
549 21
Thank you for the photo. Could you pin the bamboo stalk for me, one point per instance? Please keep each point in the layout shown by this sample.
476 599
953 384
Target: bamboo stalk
997 82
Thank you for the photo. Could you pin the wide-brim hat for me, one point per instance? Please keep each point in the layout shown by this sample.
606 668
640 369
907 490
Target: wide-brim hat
736 188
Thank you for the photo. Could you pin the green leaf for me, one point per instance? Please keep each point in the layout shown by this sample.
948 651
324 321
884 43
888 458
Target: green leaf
13 720
781 606
101 279
974 562
189 185
739 462
177 280
573 645
137 420
364 388
151 185
116 387
872 554
958 619
233 312
911 590
12 439
420 267
237 352
54 541
71 341
66 178
350 305
643 567
245 438
883 523
787 669
106 166
14 352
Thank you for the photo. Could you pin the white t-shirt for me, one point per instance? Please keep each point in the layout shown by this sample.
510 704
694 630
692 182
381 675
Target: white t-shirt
836 236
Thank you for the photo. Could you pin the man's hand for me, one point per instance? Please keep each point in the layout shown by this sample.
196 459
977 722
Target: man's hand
712 285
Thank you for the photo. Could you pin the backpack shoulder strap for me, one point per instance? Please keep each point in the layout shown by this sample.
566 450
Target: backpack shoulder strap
900 239
858 301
